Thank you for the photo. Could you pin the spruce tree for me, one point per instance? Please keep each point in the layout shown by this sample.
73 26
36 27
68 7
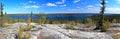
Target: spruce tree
101 20
42 18
31 16
1 13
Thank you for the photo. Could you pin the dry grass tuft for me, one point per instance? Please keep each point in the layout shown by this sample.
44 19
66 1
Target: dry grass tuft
115 35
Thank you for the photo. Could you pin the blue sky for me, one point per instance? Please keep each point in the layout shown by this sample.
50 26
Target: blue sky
59 6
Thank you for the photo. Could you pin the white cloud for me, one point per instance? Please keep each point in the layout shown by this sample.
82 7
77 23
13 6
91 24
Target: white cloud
31 1
62 2
78 7
89 6
106 1
51 4
113 9
118 1
63 5
98 5
32 6
75 1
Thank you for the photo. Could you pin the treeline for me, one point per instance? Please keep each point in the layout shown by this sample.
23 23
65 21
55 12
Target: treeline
112 18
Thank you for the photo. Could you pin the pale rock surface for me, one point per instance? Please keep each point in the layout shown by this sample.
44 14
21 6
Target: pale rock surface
52 31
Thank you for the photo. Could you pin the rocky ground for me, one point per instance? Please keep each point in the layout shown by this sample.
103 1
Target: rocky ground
57 31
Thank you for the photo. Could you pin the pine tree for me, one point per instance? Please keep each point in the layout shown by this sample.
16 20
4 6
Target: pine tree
31 16
101 20
1 11
5 17
18 18
43 18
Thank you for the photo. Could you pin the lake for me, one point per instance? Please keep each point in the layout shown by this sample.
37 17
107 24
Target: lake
54 16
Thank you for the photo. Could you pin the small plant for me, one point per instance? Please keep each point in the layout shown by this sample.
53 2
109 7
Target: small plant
27 36
90 22
43 18
18 18
1 14
5 24
106 25
114 21
20 32
29 27
72 23
115 35
31 16
69 27
55 22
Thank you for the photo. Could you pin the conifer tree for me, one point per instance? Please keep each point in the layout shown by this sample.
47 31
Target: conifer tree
43 18
31 16
101 20
1 13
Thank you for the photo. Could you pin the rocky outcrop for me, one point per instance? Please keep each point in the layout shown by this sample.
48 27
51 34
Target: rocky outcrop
52 31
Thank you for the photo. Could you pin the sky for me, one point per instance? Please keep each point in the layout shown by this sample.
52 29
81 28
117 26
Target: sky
59 6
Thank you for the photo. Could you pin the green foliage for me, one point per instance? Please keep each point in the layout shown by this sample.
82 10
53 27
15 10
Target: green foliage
43 18
29 21
115 35
20 32
106 25
48 22
90 22
72 23
5 24
1 14
69 27
27 36
29 27
56 22
18 18
31 16
101 20
114 21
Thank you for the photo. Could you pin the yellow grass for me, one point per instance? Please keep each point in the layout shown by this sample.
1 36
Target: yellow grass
115 36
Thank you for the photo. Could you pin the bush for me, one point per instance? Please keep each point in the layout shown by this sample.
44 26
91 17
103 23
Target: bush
106 25
20 34
115 35
27 36
90 22
43 18
114 21
69 27
72 23
5 24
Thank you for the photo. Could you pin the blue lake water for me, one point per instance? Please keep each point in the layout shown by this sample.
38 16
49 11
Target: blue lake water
56 16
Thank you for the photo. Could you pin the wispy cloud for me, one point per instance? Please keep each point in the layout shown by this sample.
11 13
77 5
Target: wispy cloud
51 4
118 1
98 5
78 7
75 1
63 5
112 10
90 6
61 2
31 1
32 6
